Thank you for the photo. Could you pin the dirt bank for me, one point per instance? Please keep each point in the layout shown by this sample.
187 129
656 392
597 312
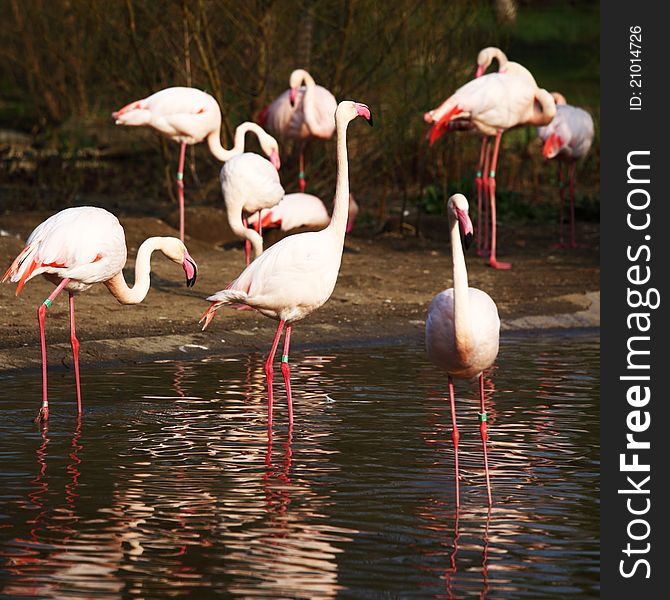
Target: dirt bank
385 284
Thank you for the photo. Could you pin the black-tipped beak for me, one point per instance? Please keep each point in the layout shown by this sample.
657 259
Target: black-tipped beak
370 123
467 240
190 281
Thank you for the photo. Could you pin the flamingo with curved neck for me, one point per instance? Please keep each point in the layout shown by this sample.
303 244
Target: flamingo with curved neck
303 111
486 56
297 275
187 116
463 327
77 248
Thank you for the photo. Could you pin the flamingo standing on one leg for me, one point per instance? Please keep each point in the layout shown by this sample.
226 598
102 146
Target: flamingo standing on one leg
296 275
301 210
78 247
303 111
568 138
493 104
463 327
185 115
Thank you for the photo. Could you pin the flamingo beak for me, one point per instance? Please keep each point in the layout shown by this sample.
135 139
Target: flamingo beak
364 111
551 146
480 71
190 268
467 230
274 159
292 95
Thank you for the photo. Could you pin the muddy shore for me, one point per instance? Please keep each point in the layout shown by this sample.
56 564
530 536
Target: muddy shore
386 283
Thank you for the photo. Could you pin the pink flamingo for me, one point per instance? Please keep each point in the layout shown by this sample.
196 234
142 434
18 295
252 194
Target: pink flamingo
301 210
568 138
78 247
296 275
187 116
463 327
492 104
303 111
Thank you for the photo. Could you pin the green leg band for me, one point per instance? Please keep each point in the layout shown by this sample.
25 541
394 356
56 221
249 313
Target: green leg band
301 174
483 417
478 174
492 174
180 176
284 358
48 303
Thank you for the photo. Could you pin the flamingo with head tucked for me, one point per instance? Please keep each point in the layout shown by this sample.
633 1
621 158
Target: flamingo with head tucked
187 116
492 104
78 247
463 327
567 138
303 111
296 275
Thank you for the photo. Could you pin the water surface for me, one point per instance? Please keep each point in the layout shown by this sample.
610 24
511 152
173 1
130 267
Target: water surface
168 486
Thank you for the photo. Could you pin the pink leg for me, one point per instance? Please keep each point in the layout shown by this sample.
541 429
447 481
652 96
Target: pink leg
247 244
492 198
286 372
43 414
572 169
454 435
561 195
269 374
482 431
74 342
485 181
478 186
301 175
180 189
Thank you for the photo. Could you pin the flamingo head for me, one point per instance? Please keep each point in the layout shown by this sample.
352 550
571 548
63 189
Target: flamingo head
175 250
190 268
292 95
552 146
457 208
270 147
348 110
480 71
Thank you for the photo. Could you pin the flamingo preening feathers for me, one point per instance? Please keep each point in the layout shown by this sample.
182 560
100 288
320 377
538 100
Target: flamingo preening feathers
296 275
463 327
303 111
567 138
78 247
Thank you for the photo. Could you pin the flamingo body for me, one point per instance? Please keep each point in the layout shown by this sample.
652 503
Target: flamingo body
293 211
569 135
76 248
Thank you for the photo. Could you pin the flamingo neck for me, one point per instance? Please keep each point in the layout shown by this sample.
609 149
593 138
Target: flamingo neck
246 233
462 323
338 222
547 109
500 56
241 131
119 288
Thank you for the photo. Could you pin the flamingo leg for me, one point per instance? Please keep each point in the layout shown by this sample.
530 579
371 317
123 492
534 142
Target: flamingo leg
485 181
247 243
286 372
180 190
454 434
478 186
74 342
571 174
259 224
492 198
301 174
43 414
482 431
561 194
269 374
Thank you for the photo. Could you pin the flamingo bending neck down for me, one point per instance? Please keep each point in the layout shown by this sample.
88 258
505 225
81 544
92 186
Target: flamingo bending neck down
463 327
567 138
304 110
486 56
78 247
296 275
187 116
492 104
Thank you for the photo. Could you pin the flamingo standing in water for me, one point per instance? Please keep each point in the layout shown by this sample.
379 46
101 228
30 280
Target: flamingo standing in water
296 275
492 104
463 327
301 210
568 138
78 247
303 111
185 115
